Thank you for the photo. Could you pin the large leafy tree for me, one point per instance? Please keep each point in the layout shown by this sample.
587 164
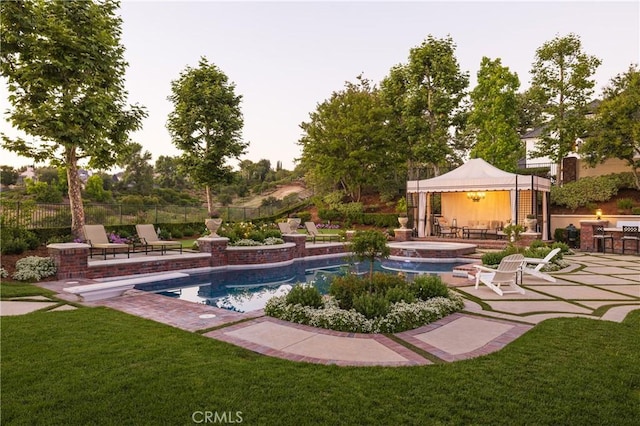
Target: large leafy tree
206 125
494 116
65 67
138 171
169 173
616 130
345 143
562 81
426 99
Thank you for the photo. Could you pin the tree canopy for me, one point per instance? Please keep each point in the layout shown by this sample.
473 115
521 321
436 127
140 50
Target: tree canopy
206 124
562 81
494 116
425 96
345 144
65 67
616 129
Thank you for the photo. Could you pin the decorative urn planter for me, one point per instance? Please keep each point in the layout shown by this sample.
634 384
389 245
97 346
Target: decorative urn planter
403 220
531 224
294 222
213 225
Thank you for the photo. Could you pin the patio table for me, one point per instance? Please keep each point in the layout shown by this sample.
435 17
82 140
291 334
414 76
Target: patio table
467 232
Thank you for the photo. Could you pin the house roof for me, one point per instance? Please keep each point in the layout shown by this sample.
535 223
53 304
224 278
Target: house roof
478 175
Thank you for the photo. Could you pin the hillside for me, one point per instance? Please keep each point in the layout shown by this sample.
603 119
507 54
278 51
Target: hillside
279 193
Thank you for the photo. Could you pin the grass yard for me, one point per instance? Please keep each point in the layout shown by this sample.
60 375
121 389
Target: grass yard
99 366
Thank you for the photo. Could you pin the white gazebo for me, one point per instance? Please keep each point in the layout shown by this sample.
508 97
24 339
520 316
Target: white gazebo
478 191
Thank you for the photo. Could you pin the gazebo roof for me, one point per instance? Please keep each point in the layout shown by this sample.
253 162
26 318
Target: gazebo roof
478 175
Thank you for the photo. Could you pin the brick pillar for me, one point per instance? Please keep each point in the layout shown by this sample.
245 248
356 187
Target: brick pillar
402 234
586 233
71 259
217 246
300 241
526 238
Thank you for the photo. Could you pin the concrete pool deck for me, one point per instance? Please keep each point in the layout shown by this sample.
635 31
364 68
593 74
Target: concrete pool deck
597 286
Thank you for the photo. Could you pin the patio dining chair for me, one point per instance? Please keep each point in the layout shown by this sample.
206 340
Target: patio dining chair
600 238
630 234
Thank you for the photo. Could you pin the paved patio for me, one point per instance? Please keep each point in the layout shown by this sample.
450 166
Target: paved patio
597 286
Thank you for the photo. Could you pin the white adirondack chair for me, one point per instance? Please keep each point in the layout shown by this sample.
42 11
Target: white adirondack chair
539 264
507 273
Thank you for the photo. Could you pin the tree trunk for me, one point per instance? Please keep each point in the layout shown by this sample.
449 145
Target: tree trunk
75 194
207 192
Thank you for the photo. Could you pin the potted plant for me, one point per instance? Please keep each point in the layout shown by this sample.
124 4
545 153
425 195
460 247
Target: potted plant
401 209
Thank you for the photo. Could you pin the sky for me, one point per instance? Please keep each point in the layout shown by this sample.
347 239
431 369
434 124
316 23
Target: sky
285 58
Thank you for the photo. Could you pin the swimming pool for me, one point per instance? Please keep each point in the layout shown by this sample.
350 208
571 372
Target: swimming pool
246 290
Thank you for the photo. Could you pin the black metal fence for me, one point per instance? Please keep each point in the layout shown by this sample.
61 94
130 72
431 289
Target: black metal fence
31 215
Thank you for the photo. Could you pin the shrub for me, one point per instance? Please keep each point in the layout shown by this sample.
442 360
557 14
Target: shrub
635 210
381 282
3 273
564 248
329 214
346 288
625 203
17 240
400 294
589 190
34 268
305 295
371 305
426 287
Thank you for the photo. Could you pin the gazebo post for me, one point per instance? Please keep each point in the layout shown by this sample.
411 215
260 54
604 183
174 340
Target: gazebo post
428 218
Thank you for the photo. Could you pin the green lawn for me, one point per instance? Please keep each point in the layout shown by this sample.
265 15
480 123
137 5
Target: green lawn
99 366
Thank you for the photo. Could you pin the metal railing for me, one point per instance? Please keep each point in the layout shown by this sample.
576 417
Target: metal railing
31 215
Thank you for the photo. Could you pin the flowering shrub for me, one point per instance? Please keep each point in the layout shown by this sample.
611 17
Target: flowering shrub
34 268
117 239
328 225
3 273
401 316
241 233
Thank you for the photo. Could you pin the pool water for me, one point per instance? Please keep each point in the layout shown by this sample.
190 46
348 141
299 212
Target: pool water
249 289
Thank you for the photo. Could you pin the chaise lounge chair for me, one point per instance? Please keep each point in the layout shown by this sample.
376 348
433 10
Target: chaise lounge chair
285 228
150 240
507 273
96 237
315 234
540 263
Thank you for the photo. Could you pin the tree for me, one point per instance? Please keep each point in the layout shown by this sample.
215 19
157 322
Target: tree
616 131
425 97
8 175
369 245
345 143
65 68
206 124
138 172
494 117
563 85
95 189
169 173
